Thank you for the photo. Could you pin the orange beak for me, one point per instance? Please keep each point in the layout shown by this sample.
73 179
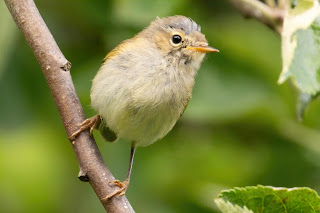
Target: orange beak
203 49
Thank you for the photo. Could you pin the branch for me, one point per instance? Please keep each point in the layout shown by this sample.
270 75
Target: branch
270 16
56 69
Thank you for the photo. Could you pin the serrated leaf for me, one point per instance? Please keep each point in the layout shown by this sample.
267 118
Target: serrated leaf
227 207
265 199
301 46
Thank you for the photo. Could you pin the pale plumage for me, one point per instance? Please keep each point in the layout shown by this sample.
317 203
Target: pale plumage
144 85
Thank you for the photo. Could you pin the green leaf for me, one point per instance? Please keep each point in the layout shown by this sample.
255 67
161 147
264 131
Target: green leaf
265 199
301 49
227 207
301 46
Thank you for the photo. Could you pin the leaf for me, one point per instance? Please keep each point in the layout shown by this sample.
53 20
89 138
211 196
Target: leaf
227 207
265 199
301 47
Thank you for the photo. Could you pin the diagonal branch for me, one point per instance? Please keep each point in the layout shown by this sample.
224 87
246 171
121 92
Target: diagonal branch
270 16
56 69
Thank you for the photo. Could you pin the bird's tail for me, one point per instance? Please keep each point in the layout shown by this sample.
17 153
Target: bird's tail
107 133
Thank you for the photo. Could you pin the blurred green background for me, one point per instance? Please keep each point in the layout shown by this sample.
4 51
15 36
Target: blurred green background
240 127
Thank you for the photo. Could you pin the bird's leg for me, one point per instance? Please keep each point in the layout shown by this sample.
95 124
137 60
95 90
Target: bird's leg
123 186
89 123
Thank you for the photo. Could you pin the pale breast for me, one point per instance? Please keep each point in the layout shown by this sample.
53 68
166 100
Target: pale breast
140 99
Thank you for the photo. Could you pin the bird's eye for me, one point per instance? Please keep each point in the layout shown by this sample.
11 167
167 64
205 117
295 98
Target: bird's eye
176 39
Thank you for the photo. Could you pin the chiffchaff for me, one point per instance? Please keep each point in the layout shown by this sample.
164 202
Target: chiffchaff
144 84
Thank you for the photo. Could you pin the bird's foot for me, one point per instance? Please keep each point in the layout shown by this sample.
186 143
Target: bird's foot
89 123
123 186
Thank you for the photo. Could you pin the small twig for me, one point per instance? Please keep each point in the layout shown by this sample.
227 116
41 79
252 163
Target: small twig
272 17
56 70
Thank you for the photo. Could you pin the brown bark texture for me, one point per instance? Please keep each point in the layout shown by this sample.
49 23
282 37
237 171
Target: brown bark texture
270 15
56 69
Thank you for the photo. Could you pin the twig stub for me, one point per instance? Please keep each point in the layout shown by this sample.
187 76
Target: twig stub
49 56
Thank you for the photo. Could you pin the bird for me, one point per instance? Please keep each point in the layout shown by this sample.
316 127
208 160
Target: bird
144 85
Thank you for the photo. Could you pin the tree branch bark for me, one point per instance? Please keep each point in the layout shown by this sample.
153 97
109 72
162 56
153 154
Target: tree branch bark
270 16
56 69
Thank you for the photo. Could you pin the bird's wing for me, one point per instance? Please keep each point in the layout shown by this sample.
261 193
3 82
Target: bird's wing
185 105
116 51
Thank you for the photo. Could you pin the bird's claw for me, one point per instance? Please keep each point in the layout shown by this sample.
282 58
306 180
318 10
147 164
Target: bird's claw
123 186
89 123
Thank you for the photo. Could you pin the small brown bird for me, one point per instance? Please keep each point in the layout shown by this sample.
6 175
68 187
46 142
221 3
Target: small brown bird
144 84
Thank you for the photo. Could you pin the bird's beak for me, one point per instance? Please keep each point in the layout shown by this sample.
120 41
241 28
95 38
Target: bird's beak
203 49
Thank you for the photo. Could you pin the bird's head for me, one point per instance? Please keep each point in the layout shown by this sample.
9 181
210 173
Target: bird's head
179 37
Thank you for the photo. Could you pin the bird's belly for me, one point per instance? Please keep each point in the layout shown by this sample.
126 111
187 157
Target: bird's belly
147 124
141 108
143 117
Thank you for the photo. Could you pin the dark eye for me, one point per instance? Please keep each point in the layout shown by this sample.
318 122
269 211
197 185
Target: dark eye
176 39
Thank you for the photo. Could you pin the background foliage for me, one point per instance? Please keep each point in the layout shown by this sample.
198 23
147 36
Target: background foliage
239 129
